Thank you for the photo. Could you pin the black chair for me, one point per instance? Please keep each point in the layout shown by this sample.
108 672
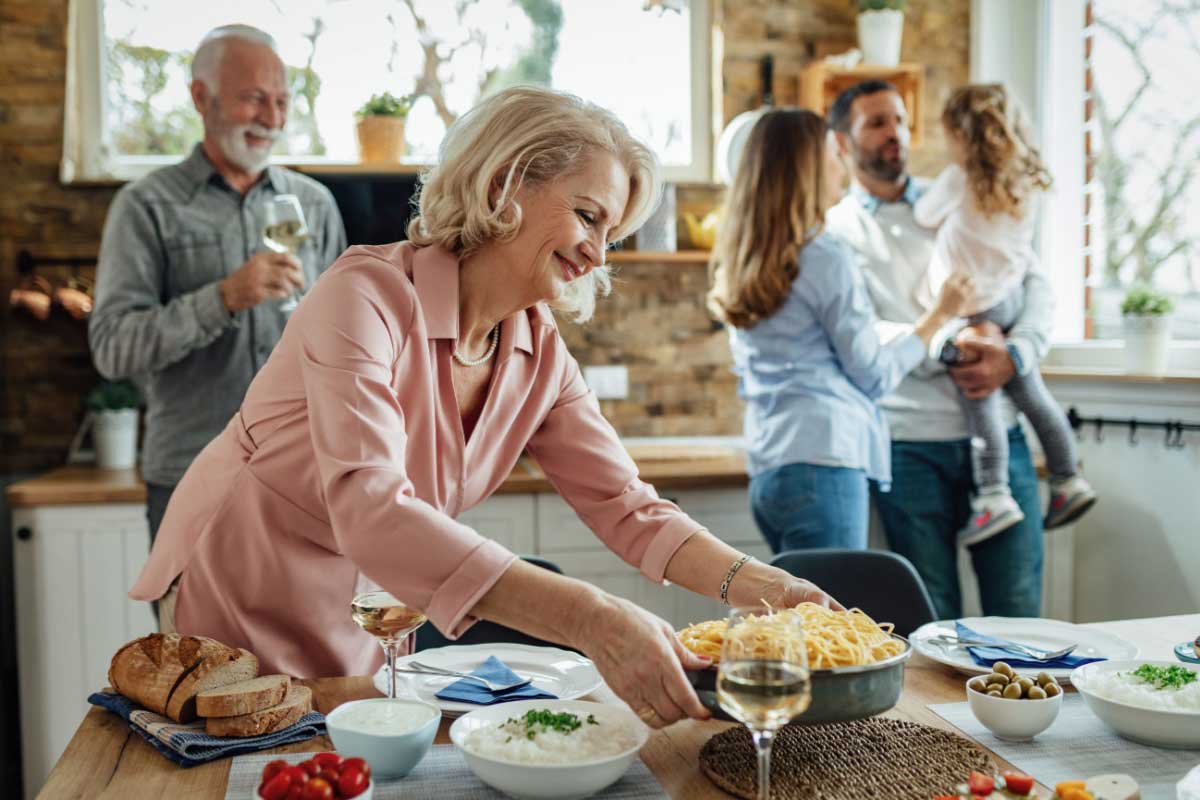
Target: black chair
485 631
883 584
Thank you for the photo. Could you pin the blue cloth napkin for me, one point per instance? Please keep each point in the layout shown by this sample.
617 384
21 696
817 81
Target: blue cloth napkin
464 691
986 656
188 745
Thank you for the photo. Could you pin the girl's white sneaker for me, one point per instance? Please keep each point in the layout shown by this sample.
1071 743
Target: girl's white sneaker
990 514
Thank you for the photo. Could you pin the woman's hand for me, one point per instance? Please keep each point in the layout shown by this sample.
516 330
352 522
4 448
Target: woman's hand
957 293
642 661
758 583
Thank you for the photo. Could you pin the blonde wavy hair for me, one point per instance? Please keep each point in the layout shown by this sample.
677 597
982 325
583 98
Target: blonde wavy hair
775 206
527 136
1003 167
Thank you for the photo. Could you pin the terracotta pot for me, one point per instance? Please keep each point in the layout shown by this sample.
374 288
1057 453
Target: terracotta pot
381 139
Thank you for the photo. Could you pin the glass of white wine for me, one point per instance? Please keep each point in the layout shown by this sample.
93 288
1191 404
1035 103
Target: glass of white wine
389 621
284 230
763 680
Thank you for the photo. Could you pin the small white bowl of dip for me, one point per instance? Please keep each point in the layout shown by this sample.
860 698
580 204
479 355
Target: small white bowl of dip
392 735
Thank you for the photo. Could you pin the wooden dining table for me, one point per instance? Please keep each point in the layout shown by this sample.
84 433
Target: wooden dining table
107 759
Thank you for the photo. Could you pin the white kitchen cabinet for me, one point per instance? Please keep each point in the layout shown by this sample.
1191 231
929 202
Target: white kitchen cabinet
73 566
508 519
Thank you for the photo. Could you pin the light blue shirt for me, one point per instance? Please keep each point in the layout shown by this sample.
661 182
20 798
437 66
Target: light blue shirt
811 373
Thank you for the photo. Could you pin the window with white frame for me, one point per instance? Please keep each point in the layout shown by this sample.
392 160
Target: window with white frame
1142 150
647 60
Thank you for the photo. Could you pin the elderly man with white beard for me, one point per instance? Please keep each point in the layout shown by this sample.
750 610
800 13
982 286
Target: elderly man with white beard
189 301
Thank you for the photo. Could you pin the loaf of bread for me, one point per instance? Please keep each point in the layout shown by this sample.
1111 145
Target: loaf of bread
243 697
220 666
148 670
295 705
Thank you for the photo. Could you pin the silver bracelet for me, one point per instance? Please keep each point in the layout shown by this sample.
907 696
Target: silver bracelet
733 570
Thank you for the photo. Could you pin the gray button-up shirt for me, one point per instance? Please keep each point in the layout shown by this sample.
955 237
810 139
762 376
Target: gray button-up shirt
169 239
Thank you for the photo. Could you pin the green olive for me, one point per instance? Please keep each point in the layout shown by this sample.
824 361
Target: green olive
978 683
997 677
1051 689
994 693
1003 669
1037 693
1012 691
1026 684
1043 678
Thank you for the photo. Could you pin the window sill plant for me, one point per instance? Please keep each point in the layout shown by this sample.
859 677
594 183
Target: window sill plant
1146 319
381 128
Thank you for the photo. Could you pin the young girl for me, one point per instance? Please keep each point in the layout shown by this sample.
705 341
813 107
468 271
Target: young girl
810 365
984 204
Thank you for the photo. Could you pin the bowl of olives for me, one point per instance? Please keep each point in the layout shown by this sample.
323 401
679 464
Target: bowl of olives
1014 707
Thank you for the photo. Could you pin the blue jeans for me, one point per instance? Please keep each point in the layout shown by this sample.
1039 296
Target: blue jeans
929 503
802 506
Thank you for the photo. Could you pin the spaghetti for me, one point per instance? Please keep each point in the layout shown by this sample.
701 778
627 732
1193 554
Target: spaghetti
833 638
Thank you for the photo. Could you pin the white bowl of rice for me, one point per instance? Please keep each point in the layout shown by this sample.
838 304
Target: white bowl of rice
1151 702
549 749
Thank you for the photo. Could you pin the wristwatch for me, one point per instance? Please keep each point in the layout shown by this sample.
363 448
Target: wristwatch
1014 353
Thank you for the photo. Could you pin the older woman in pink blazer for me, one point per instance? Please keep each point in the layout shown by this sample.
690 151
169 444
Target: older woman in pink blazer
403 391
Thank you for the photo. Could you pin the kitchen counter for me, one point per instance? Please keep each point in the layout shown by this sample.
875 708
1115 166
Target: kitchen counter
672 464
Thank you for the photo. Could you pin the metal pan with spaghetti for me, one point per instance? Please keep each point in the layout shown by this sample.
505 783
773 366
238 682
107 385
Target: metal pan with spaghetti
856 664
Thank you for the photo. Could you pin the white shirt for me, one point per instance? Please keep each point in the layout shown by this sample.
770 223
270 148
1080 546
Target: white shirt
994 251
895 253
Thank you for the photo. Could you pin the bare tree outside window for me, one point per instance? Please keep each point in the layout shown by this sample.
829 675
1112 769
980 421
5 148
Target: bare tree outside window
1145 135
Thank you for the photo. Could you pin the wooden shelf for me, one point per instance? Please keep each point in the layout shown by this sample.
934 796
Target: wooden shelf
348 168
821 83
1117 376
651 257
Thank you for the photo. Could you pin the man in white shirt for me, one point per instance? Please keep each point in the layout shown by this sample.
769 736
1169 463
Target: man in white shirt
929 501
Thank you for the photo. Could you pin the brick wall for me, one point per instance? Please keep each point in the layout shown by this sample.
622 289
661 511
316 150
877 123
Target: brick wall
655 322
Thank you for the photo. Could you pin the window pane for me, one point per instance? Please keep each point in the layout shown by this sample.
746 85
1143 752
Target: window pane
340 52
1146 147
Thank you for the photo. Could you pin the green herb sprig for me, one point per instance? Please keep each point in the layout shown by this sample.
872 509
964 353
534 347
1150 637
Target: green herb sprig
1172 677
542 720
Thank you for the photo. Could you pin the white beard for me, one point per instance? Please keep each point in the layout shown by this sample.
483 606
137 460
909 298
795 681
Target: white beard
251 159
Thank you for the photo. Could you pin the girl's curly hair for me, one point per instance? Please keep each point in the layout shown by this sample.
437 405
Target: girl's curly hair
1003 168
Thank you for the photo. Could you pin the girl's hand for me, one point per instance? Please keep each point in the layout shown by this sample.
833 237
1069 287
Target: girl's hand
642 661
958 292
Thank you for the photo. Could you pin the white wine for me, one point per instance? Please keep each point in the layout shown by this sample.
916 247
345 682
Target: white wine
385 617
764 695
285 236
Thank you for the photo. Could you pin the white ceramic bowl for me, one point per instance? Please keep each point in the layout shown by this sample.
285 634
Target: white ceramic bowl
390 755
552 781
1013 720
1152 726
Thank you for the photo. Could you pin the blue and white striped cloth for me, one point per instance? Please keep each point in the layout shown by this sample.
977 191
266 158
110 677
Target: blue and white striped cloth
188 744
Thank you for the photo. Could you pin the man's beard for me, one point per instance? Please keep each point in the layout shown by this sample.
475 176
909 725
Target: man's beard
877 166
232 141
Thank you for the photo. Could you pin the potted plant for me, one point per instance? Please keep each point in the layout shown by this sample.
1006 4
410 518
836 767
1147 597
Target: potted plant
381 127
880 26
1146 318
113 407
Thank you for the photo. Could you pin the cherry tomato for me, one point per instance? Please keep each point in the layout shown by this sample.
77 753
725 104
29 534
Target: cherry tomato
296 775
352 783
310 767
317 789
1018 783
328 775
276 788
358 764
273 767
978 783
328 760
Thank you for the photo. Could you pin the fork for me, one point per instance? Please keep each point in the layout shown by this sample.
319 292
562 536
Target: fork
416 667
1036 655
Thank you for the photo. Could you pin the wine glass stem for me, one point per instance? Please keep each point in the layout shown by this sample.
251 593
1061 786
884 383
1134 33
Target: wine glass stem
762 744
390 646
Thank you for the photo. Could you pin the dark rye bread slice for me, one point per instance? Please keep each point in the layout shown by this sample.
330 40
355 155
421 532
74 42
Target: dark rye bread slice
147 670
243 697
219 667
297 703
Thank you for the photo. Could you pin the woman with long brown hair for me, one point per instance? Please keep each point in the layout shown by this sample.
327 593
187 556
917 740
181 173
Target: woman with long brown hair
810 363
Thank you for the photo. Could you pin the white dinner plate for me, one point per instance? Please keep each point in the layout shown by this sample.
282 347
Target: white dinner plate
564 674
1043 634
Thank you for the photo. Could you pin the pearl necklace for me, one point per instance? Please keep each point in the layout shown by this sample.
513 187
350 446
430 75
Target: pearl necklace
494 336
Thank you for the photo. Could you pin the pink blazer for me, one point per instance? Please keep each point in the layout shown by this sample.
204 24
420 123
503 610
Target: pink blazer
347 465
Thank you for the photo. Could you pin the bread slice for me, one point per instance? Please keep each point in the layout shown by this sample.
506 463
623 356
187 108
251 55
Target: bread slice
243 697
220 666
147 670
295 705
